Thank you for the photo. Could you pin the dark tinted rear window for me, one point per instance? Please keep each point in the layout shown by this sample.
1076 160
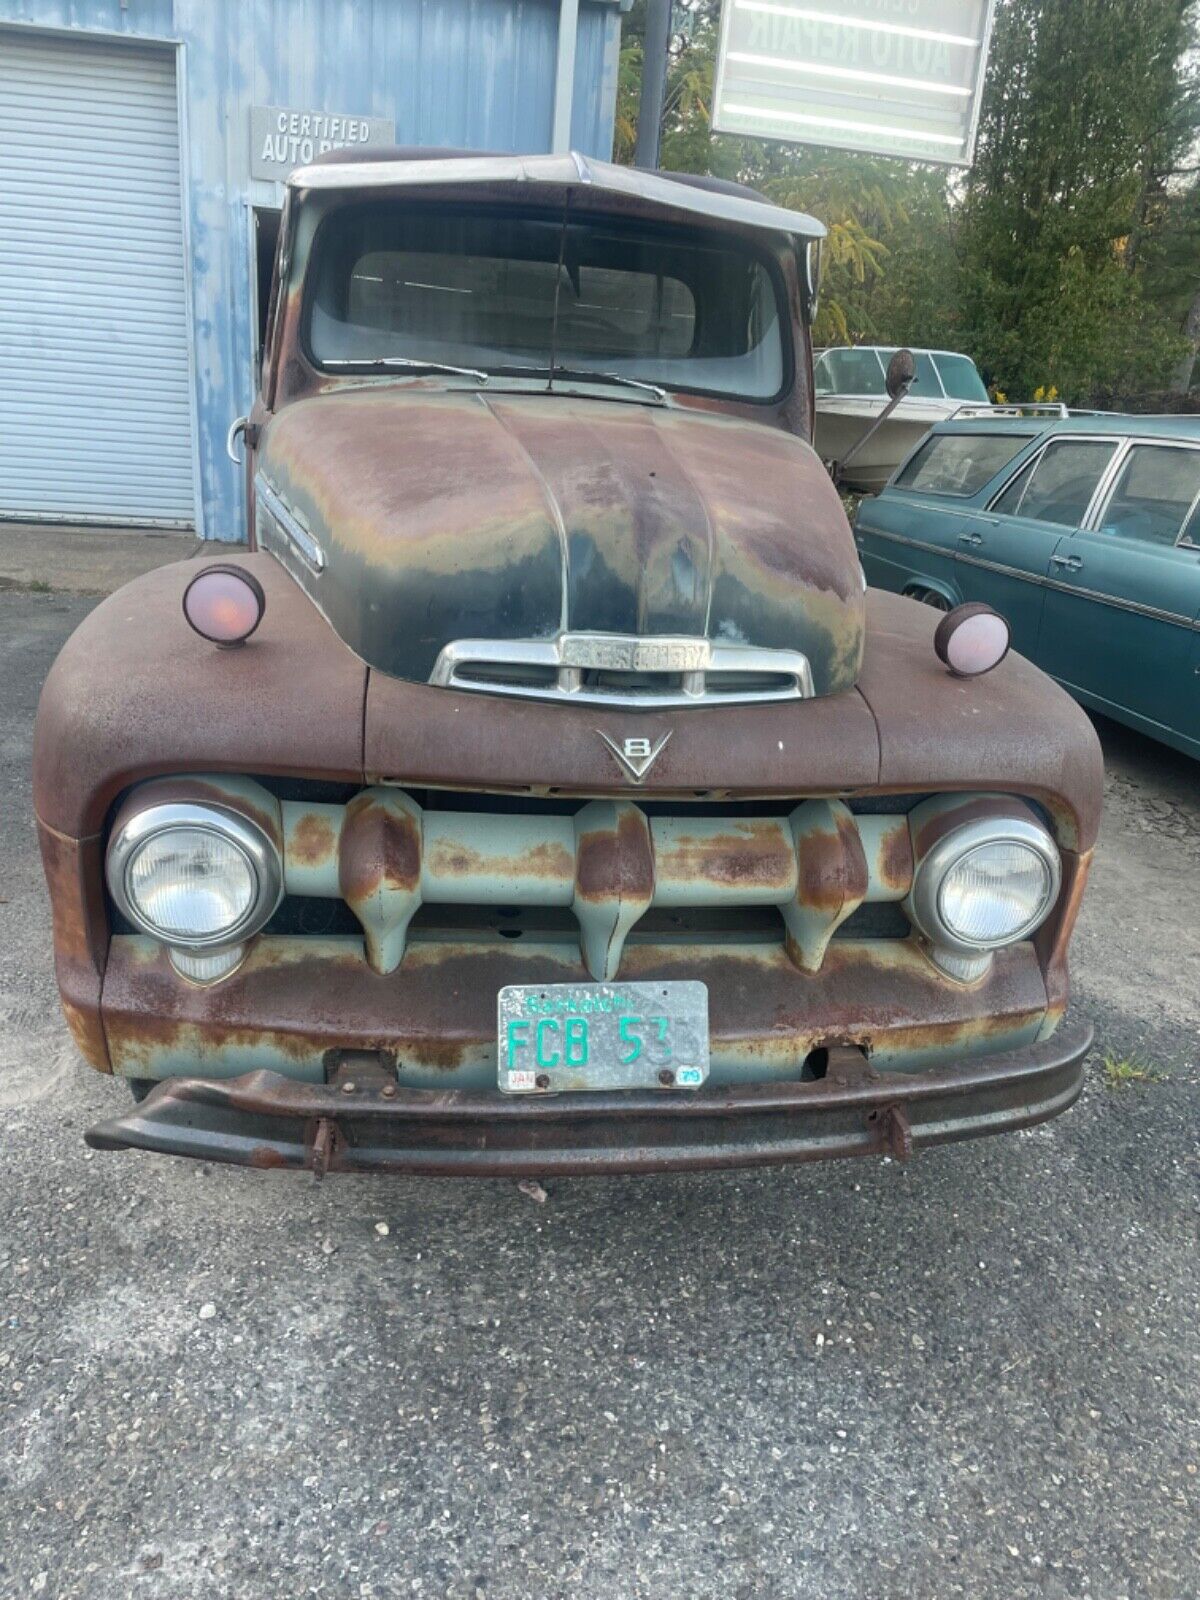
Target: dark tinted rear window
959 463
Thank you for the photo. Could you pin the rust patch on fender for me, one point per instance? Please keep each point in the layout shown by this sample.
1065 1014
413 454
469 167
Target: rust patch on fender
74 878
1054 936
87 1031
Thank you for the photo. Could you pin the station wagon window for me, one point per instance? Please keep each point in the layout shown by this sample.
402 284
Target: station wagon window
1006 504
678 308
959 463
1153 494
1061 483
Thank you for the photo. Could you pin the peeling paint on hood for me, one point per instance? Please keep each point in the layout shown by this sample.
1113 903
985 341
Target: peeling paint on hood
517 516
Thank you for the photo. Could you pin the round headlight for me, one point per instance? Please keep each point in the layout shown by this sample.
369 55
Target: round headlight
985 885
995 893
193 876
191 884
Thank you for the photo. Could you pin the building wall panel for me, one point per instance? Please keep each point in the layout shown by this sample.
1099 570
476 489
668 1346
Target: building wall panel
476 73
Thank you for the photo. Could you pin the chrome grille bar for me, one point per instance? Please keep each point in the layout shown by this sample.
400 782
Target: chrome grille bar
676 670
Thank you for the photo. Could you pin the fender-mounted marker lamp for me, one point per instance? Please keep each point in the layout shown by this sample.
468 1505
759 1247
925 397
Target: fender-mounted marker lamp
972 639
224 604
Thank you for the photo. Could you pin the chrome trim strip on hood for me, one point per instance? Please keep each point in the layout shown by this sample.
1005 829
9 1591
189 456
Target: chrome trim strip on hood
289 525
568 657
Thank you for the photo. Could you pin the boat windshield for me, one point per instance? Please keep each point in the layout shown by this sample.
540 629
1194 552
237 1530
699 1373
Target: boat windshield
860 371
926 384
849 372
960 377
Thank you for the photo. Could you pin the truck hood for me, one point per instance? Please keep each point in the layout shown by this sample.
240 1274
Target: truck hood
443 517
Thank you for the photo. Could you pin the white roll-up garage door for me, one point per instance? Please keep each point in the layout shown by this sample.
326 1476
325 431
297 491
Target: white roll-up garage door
95 420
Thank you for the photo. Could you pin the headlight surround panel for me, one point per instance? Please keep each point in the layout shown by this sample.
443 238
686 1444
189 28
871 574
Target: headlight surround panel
983 844
226 837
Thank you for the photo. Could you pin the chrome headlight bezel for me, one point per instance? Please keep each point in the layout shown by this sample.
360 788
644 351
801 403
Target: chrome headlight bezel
252 844
924 900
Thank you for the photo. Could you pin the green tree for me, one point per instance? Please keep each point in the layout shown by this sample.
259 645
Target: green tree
1067 257
1085 114
888 256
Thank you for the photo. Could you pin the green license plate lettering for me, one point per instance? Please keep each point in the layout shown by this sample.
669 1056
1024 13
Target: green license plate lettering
568 1037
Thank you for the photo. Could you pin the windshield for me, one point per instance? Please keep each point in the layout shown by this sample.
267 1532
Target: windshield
960 377
925 385
481 290
849 372
860 371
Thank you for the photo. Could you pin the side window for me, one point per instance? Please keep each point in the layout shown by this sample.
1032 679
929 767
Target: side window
959 463
1153 494
1008 503
822 383
1065 479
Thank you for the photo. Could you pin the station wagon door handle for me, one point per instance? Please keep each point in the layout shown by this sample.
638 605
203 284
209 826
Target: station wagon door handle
970 538
1073 562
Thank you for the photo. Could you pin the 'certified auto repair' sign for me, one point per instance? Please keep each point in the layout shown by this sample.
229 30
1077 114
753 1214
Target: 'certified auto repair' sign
282 139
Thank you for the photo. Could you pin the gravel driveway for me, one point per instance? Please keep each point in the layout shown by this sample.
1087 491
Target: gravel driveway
975 1375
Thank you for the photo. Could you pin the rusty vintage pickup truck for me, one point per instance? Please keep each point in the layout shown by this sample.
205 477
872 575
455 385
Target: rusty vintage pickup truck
545 791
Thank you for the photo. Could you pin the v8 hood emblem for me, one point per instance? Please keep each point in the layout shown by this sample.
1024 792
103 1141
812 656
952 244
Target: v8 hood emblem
635 757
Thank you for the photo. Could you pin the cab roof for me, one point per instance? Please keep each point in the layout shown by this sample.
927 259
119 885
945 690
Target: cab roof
553 180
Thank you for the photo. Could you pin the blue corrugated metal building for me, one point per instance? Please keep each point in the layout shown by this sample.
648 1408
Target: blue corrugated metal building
141 141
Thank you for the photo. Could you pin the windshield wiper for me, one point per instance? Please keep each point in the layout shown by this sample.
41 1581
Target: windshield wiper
582 375
409 363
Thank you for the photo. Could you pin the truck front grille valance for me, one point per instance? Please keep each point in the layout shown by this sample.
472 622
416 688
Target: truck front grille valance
608 865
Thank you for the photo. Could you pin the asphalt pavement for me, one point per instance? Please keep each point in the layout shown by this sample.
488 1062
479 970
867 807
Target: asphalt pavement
977 1374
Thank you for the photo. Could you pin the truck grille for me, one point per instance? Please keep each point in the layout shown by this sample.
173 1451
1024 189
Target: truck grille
609 870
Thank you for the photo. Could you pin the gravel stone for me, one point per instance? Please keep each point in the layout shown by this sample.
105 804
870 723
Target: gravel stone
786 1383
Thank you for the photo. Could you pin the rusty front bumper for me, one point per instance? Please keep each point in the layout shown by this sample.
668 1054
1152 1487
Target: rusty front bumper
373 1125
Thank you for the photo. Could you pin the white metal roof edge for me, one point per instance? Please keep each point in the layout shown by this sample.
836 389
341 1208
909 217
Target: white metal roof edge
569 171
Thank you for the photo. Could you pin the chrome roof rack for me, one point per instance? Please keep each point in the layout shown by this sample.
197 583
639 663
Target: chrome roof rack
1027 408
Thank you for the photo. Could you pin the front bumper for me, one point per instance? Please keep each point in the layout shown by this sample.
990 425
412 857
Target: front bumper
367 1123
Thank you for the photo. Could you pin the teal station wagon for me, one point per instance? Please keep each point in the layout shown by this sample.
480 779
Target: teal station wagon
1083 531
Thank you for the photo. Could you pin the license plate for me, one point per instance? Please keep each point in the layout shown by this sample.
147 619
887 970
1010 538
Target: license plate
571 1036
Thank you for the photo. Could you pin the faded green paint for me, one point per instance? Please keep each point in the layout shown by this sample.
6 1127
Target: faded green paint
766 1043
610 864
